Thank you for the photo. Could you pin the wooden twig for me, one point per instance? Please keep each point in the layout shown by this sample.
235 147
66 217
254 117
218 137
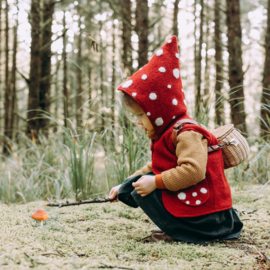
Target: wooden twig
45 254
96 200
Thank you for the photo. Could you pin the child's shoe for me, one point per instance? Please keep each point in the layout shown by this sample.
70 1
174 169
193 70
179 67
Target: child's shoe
159 235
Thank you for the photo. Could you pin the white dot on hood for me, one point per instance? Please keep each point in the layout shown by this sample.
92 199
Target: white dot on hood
159 52
144 76
127 84
162 69
177 55
169 41
153 96
185 102
169 86
148 113
134 94
159 121
176 73
175 102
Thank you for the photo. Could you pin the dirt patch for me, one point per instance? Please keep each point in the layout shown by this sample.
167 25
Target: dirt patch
112 236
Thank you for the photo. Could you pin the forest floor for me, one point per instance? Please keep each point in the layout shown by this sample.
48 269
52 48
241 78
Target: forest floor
114 236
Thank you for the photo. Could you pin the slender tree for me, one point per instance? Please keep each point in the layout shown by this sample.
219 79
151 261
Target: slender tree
0 55
113 73
56 94
64 58
7 130
236 75
265 99
175 21
219 106
101 71
35 70
46 54
207 41
126 37
142 30
13 73
198 65
79 77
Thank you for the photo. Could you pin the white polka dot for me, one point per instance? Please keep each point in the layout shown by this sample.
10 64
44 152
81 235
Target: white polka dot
173 117
144 76
162 69
159 52
140 68
148 113
134 94
169 41
182 90
169 86
187 202
185 102
153 96
182 195
159 121
176 73
127 84
177 55
203 190
175 102
194 194
198 202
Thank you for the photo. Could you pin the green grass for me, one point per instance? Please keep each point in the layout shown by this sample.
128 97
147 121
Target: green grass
83 163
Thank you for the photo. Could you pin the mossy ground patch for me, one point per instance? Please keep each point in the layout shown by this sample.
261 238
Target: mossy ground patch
113 235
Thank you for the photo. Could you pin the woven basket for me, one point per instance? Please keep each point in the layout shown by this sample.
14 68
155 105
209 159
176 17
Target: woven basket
236 148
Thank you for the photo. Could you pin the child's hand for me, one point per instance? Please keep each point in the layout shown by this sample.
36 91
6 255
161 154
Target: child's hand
145 185
113 193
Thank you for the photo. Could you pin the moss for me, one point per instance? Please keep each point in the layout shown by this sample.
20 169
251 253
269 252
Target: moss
110 236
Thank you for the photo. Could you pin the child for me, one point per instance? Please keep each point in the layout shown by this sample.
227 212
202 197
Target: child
183 190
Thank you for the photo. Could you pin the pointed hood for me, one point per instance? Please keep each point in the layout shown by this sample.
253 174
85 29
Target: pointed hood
157 88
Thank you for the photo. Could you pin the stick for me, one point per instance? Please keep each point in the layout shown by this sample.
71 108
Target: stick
96 200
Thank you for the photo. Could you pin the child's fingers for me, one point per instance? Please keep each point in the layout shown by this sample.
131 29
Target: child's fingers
135 184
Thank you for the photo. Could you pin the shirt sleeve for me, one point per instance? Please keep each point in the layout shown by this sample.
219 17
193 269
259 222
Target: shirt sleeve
147 168
191 151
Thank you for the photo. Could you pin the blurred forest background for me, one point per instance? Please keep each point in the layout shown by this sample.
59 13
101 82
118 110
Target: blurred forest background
61 120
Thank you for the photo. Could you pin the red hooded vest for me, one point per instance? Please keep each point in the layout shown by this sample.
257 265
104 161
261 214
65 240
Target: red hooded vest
157 88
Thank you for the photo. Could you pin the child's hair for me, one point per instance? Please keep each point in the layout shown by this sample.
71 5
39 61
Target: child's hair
128 101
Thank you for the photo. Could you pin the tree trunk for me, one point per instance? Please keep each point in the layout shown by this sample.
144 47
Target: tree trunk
13 74
126 37
35 70
207 41
7 130
175 21
142 31
219 104
0 61
56 94
64 57
46 53
79 80
265 99
113 75
236 75
113 88
101 75
198 66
